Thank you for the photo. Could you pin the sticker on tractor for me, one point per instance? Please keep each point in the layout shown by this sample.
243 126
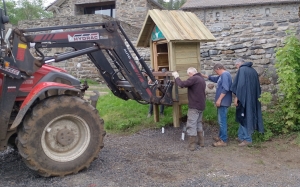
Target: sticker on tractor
11 89
10 70
83 37
21 51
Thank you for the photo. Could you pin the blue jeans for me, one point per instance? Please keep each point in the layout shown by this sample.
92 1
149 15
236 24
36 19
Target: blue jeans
222 120
243 134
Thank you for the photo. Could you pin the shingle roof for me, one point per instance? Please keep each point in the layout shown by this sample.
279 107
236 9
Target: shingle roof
190 4
176 26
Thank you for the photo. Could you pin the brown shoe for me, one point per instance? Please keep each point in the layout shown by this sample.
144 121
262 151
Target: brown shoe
192 143
238 140
245 143
219 144
200 141
216 138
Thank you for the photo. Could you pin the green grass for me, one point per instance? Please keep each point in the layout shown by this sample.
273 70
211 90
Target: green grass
130 116
90 81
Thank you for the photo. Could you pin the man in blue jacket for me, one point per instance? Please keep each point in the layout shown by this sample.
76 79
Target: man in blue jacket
247 89
223 100
196 103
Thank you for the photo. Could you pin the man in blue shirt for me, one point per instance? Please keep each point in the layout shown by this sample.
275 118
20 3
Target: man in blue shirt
223 100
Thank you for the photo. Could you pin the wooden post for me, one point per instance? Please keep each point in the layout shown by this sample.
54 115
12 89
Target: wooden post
155 113
176 114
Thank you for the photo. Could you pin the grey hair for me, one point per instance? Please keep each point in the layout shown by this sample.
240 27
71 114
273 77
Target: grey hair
218 66
191 70
239 61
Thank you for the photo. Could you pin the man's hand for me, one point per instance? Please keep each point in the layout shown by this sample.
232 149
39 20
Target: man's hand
236 101
204 76
218 103
175 74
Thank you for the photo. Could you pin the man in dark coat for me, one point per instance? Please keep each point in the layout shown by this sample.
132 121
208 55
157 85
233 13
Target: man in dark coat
247 89
196 98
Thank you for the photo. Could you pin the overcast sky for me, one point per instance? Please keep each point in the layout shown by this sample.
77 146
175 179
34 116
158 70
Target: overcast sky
47 3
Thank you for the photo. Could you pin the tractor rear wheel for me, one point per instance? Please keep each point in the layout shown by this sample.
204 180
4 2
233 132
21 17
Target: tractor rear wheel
62 135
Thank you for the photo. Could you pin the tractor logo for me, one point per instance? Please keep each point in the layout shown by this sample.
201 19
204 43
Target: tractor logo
83 37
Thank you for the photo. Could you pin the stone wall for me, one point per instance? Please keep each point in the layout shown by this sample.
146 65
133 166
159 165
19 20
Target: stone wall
87 70
133 12
249 32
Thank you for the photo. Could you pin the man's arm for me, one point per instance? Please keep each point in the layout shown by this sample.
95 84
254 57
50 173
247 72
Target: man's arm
184 84
218 102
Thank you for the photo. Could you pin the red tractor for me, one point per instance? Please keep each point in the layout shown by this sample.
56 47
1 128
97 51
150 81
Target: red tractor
42 109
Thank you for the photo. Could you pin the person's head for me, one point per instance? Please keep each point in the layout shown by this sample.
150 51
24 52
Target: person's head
191 71
219 69
238 62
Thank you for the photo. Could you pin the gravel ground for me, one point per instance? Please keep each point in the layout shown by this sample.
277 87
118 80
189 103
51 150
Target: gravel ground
152 158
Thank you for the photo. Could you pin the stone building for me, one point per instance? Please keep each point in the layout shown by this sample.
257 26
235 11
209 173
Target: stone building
130 13
245 29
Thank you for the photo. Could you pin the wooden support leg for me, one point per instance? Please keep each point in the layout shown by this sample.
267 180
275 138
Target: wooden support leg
176 114
155 113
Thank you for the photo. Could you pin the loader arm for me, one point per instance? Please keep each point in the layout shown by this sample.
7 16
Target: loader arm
106 48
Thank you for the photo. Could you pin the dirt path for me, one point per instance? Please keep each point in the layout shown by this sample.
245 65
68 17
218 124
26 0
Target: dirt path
150 158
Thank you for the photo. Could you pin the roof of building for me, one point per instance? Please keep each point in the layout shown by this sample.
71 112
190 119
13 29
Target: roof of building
176 25
192 4
57 3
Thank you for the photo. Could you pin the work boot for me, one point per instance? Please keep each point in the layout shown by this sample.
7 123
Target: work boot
216 139
200 138
219 144
245 143
238 140
192 143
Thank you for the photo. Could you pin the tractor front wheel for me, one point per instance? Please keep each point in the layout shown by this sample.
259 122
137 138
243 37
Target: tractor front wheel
62 135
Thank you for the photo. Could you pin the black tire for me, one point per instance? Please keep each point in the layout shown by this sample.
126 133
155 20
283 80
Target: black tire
62 135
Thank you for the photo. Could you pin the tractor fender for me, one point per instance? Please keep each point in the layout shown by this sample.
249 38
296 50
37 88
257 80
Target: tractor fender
35 93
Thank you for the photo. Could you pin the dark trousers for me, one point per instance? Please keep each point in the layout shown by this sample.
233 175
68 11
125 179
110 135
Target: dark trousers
161 109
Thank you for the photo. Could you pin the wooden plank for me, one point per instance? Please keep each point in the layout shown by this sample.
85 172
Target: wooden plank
172 59
176 114
188 28
184 54
154 51
173 16
155 113
148 34
162 60
163 24
182 91
181 68
183 99
151 54
186 46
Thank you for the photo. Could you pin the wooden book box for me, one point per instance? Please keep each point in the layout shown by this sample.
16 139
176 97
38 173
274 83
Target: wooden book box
174 39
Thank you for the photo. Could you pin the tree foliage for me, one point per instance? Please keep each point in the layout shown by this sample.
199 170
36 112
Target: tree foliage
18 10
288 70
172 4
